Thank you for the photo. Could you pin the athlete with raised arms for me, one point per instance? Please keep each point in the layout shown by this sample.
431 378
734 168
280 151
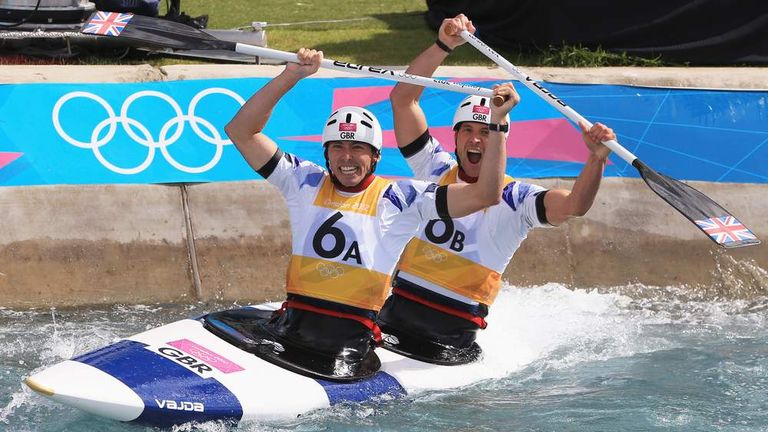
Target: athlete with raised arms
450 273
349 227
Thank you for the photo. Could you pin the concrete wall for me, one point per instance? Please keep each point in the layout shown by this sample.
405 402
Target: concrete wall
77 245
69 245
242 237
631 236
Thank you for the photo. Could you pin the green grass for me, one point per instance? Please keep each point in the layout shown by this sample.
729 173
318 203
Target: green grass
370 32
578 56
378 32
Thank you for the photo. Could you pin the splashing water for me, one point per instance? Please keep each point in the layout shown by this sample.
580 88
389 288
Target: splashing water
627 358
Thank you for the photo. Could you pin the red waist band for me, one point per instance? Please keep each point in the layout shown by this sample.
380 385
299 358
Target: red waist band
367 322
480 321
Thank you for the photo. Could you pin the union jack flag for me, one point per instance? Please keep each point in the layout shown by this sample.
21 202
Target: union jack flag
107 23
725 229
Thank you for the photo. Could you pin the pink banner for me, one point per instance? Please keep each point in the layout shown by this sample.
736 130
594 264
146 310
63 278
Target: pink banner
206 355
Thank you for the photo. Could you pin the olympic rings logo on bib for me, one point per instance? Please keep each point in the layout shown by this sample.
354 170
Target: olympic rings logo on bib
435 255
140 134
329 270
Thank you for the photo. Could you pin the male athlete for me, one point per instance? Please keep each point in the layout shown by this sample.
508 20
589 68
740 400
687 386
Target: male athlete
450 273
349 227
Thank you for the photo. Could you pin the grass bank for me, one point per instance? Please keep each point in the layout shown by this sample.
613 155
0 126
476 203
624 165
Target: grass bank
377 32
372 32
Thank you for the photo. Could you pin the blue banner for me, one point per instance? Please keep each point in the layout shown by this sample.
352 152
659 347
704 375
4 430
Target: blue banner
170 132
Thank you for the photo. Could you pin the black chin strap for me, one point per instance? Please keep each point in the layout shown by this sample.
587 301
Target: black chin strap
462 174
456 147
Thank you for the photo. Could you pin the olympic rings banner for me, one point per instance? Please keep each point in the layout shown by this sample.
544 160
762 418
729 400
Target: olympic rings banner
173 132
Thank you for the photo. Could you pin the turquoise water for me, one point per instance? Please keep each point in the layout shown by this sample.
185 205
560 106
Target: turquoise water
630 358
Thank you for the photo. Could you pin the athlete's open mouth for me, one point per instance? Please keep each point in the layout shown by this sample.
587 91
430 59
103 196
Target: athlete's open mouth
474 155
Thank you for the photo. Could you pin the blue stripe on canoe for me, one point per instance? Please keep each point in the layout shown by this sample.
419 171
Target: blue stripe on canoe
157 378
381 384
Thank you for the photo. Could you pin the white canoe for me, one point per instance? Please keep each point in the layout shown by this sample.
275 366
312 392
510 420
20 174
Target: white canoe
181 373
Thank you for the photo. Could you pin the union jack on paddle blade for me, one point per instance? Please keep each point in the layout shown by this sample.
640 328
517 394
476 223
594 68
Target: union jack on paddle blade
107 23
727 231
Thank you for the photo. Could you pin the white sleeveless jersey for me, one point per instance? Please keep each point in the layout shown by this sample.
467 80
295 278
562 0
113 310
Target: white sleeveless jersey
464 258
345 245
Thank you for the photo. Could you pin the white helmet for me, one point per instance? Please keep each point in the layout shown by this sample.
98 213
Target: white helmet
351 123
473 108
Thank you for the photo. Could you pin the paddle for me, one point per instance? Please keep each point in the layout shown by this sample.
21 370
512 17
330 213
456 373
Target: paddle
722 227
170 34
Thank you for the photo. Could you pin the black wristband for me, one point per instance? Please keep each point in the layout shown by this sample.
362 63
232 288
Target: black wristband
443 46
498 127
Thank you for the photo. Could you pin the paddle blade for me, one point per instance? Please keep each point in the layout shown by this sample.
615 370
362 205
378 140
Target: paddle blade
722 227
150 31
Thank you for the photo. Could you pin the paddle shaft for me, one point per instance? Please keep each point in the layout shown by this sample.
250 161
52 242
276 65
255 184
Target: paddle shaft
545 94
368 70
168 34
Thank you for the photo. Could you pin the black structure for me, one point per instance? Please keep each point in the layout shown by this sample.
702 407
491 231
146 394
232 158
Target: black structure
699 32
141 7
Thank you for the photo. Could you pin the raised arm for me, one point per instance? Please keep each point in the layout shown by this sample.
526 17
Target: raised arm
562 204
467 198
245 129
410 121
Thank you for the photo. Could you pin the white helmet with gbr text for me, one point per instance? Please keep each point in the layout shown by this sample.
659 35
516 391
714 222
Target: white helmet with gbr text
351 123
473 108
